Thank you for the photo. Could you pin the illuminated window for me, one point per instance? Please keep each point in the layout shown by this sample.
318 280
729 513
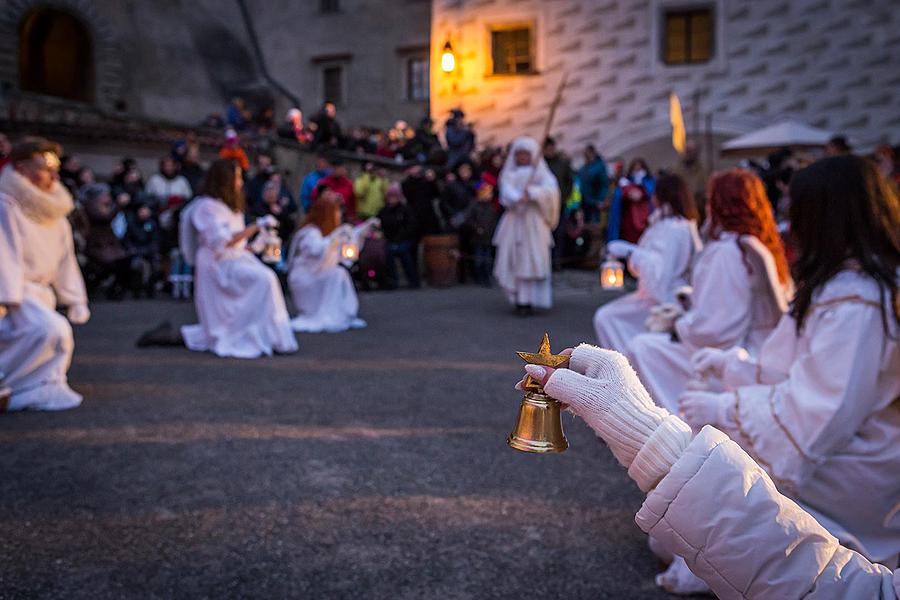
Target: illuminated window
333 85
512 51
688 36
55 55
417 79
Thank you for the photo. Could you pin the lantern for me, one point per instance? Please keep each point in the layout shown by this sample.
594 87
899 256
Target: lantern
612 274
350 252
272 252
448 59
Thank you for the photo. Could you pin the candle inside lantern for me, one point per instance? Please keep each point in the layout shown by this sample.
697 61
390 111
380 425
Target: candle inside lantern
349 251
612 275
272 252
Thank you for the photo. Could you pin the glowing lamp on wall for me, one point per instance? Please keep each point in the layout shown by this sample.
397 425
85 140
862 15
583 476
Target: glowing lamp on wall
448 59
612 275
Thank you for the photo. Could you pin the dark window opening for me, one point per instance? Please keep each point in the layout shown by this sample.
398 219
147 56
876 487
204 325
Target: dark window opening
688 36
511 51
333 84
56 55
329 6
417 79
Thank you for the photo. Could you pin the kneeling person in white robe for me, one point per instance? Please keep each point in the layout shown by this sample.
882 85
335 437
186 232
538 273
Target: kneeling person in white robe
741 285
238 299
661 261
321 287
524 236
38 270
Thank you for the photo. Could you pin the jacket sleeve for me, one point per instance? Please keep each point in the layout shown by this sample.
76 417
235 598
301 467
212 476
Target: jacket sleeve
214 230
12 275
69 283
829 392
721 301
746 540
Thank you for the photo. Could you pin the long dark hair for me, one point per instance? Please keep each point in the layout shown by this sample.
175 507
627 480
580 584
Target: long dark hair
843 210
220 183
673 190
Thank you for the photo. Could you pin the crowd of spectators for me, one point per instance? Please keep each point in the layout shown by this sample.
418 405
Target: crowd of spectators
126 230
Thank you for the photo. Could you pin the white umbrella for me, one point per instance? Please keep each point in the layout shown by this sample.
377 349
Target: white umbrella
786 134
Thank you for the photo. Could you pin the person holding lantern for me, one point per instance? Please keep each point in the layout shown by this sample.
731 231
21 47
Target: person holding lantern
238 299
320 286
819 407
740 288
661 261
38 271
524 237
707 500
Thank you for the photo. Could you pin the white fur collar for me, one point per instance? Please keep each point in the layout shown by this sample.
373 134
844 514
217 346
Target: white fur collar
37 205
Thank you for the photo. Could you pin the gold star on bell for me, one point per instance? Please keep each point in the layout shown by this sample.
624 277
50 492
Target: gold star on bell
545 358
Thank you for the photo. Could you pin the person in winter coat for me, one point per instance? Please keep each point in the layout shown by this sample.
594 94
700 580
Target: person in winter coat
338 182
593 181
661 261
708 501
369 189
421 191
398 223
105 251
818 407
323 169
480 223
630 206
460 138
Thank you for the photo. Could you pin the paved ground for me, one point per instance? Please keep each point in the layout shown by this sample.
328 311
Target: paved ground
371 464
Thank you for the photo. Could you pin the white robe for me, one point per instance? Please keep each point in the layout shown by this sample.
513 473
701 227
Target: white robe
731 306
38 269
238 299
661 262
524 235
321 288
820 411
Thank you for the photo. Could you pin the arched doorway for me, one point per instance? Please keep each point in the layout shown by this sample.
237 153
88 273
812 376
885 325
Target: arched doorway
56 55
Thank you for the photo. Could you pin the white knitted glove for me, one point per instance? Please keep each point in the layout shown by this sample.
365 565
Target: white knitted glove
711 362
601 387
266 221
78 314
620 248
706 408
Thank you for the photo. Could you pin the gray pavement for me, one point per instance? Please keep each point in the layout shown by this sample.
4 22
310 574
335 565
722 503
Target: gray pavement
371 464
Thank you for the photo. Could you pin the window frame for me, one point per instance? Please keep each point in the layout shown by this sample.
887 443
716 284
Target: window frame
329 7
689 15
342 82
408 61
719 58
533 57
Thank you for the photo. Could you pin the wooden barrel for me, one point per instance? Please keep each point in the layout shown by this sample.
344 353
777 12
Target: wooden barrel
441 259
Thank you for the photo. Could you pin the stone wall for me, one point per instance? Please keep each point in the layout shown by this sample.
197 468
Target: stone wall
181 60
834 64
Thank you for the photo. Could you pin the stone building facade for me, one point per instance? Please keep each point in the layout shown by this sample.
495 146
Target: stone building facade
181 60
833 64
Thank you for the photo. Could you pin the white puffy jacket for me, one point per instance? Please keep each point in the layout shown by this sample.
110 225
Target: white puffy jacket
720 511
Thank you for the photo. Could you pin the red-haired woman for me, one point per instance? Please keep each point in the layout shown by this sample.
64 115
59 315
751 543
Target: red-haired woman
238 299
321 288
740 286
661 261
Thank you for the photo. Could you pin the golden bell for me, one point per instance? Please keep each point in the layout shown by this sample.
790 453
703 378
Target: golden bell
539 427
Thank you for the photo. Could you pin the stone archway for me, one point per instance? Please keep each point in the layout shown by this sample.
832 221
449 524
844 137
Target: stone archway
56 55
72 24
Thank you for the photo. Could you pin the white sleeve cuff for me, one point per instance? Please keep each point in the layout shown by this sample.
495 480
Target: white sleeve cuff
660 452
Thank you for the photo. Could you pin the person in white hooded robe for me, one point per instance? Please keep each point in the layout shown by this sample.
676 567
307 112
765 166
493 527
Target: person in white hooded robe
819 408
740 287
239 301
661 261
38 271
321 287
524 238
